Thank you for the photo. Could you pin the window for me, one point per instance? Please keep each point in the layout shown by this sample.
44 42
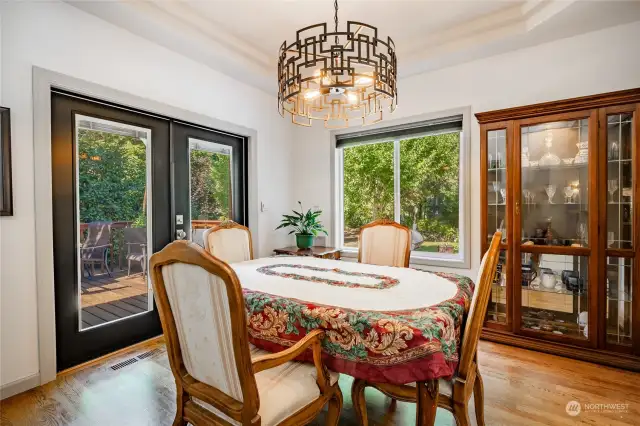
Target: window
412 174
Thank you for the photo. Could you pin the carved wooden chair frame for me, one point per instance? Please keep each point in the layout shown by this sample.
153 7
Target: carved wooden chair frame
386 222
467 379
228 224
246 411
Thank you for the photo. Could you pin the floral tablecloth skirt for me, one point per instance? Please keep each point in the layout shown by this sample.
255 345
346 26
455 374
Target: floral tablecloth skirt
380 346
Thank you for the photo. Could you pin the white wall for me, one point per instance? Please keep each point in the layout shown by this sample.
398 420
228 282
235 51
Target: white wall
588 64
61 38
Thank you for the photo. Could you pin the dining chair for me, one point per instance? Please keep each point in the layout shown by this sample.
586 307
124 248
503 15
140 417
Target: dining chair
229 241
220 378
453 395
384 242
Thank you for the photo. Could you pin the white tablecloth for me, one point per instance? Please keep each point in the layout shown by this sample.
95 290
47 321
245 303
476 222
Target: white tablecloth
415 289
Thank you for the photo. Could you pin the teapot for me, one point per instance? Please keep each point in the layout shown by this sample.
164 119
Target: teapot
548 280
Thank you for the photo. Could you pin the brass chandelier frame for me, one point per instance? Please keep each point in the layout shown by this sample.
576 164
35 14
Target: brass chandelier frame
337 76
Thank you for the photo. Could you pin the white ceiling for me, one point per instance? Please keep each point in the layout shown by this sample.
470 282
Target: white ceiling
241 37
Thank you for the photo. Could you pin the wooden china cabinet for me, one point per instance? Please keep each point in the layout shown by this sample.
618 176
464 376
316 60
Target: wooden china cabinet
561 180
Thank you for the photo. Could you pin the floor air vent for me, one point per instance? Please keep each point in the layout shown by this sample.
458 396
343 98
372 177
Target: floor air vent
148 354
123 364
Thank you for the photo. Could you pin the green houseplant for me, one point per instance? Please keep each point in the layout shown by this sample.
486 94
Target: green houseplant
305 226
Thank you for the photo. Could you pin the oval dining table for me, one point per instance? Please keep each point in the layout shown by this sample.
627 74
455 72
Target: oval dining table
382 324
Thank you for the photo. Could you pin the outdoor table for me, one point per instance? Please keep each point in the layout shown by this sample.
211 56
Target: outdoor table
382 324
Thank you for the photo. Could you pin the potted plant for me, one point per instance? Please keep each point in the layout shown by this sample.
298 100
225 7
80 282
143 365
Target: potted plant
305 226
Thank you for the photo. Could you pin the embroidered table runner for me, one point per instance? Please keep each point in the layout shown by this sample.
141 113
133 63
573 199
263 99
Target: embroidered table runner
383 324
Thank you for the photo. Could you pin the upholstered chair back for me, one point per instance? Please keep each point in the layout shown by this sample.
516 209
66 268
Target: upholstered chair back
384 242
202 312
479 304
230 242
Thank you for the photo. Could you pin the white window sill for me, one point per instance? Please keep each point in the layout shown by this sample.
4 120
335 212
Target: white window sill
446 261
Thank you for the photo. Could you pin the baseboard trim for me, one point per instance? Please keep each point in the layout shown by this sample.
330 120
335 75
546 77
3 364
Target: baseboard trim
19 386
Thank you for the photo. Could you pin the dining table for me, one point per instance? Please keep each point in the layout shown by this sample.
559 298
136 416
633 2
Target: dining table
382 324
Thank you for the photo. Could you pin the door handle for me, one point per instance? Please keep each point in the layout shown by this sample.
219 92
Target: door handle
180 234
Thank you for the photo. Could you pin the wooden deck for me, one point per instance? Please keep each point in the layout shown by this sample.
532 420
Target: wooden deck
107 298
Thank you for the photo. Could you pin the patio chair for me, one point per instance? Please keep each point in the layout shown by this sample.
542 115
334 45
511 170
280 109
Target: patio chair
95 248
220 378
135 239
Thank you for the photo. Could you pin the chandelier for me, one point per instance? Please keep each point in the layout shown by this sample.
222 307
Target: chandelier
338 76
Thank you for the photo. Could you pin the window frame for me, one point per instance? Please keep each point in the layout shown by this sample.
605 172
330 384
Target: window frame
460 260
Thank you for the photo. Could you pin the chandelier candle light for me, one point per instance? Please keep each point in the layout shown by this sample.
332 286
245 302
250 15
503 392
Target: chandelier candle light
338 76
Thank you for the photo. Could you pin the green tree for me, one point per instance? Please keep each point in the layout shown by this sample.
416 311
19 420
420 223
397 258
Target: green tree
112 177
368 183
429 181
210 185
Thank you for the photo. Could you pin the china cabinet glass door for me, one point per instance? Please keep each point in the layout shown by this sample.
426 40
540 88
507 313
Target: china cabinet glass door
496 142
618 194
555 215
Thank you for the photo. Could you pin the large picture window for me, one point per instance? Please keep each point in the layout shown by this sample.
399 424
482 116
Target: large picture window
411 174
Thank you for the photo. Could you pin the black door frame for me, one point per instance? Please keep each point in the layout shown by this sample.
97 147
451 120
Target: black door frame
73 346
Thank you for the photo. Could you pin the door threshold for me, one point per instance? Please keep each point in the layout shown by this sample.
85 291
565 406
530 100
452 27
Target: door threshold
136 347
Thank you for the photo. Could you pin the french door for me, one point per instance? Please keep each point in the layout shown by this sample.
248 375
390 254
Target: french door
125 184
209 177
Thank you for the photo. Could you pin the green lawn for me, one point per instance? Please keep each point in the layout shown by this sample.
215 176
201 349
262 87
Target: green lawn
432 246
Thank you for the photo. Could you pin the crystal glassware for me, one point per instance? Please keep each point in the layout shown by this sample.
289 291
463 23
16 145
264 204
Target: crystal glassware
551 191
612 186
611 238
568 194
527 195
582 232
614 151
503 192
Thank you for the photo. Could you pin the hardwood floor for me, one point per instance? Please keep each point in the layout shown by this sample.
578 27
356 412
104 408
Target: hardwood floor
521 388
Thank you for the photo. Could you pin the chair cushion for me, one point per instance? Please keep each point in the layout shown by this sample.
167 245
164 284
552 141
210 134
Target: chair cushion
283 390
384 245
230 245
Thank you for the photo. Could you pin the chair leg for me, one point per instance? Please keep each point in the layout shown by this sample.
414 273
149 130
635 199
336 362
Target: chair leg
358 401
335 407
427 395
461 414
478 398
128 267
180 400
106 262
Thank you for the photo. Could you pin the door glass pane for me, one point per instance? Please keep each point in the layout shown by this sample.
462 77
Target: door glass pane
554 294
429 191
497 180
619 298
555 183
368 187
114 199
497 310
619 181
211 190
